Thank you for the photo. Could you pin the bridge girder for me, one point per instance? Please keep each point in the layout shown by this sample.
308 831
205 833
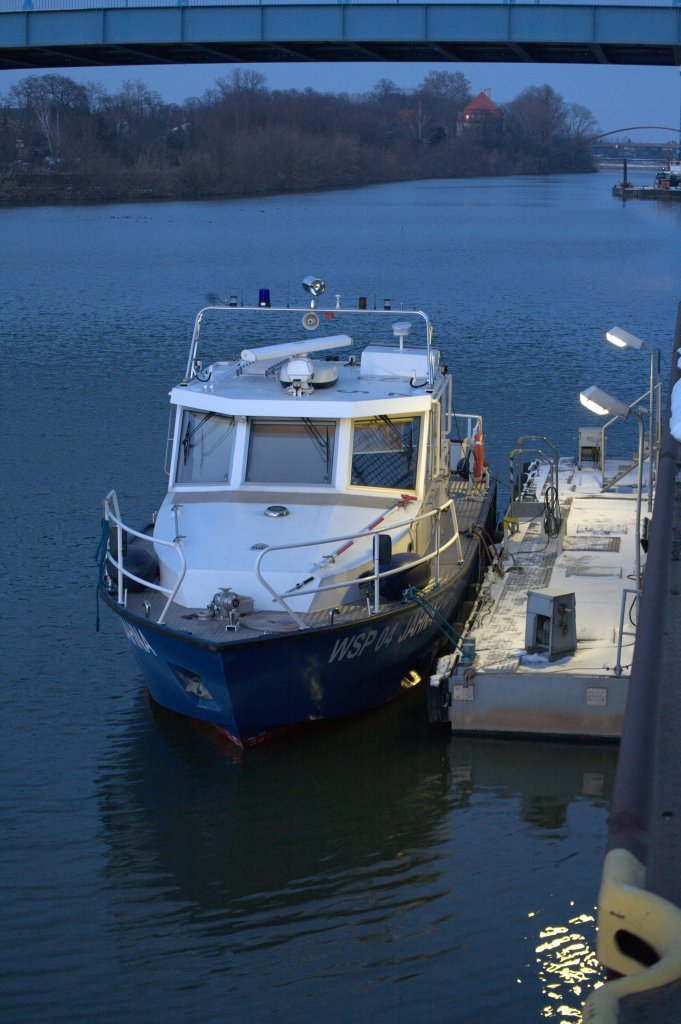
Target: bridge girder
296 31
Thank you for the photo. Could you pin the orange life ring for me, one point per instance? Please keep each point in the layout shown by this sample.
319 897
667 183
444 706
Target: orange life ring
478 455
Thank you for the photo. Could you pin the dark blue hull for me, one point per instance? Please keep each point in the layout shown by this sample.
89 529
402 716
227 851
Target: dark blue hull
251 688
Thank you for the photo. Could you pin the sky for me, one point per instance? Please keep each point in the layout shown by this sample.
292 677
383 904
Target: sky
618 97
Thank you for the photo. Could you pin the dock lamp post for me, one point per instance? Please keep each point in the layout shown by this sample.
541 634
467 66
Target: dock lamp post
623 339
603 404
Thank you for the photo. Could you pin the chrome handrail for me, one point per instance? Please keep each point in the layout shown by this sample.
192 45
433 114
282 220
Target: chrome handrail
376 575
473 423
193 359
112 514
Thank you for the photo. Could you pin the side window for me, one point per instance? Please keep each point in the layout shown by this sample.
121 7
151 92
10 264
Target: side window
206 447
385 452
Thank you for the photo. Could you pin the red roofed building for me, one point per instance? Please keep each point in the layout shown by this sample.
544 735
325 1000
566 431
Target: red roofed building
482 117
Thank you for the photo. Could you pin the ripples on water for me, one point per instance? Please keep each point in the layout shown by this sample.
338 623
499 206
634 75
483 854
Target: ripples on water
369 870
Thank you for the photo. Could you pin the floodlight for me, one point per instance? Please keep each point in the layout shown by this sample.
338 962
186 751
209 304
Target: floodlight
314 285
623 339
603 404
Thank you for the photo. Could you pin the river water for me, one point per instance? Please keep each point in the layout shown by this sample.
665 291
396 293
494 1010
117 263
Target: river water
372 870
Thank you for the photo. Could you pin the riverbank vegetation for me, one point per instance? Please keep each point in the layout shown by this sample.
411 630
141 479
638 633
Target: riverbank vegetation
63 141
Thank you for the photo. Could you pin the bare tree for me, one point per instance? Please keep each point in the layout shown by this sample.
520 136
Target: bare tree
242 138
443 95
45 102
579 122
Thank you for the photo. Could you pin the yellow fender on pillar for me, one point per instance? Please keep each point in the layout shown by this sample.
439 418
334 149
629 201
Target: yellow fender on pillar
624 906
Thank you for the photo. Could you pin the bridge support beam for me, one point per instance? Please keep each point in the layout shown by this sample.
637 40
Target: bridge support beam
192 32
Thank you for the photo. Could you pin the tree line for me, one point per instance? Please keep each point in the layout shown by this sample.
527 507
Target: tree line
61 140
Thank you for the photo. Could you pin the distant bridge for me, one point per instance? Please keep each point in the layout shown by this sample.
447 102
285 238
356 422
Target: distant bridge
70 33
635 128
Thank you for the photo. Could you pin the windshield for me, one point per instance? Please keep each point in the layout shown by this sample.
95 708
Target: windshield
291 452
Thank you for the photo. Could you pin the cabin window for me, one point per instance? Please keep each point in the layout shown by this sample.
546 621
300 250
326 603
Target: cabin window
206 447
385 452
291 452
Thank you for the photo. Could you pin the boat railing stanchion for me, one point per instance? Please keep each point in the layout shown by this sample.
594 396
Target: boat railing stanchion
437 548
119 560
377 570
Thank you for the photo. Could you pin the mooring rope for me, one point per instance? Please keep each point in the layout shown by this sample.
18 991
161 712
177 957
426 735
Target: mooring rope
417 596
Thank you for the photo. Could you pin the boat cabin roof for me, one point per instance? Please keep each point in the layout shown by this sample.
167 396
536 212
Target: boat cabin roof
386 380
287 372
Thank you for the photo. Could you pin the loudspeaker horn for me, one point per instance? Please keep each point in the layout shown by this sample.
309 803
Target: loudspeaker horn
310 321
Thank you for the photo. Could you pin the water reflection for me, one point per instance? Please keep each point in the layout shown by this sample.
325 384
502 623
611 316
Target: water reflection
391 849
568 968
546 777
226 825
313 808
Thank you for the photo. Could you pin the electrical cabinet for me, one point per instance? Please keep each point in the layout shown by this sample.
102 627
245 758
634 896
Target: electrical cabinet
550 623
591 447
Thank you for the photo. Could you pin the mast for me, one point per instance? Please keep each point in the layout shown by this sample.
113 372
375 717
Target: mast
678 151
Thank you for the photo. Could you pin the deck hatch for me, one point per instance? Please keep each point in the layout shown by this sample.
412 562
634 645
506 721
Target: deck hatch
586 543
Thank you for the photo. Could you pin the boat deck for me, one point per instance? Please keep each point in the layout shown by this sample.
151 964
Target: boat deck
149 604
512 685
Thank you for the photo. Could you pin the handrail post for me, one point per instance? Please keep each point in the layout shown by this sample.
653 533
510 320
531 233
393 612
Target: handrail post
119 561
437 548
457 532
300 623
377 572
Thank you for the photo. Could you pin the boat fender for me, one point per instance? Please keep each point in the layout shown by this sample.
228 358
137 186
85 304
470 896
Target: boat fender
438 700
113 542
463 466
392 587
140 560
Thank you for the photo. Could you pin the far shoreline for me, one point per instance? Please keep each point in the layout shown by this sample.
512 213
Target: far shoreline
65 196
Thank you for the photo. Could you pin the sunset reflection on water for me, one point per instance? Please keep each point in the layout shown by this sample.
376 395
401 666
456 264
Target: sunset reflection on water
567 966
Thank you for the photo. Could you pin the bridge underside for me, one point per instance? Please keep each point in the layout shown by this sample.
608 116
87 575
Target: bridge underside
293 51
280 32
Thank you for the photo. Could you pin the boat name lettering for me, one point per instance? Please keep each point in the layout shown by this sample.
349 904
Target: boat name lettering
137 638
355 645
416 624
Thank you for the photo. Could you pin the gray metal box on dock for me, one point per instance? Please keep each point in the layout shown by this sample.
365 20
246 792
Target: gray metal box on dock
550 623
